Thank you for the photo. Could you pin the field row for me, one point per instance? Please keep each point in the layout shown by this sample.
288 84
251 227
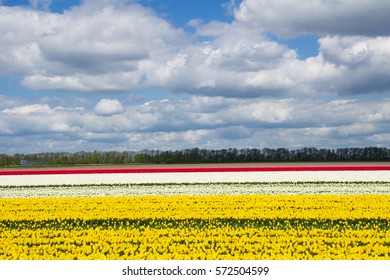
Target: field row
196 177
204 189
194 169
197 227
204 239
194 207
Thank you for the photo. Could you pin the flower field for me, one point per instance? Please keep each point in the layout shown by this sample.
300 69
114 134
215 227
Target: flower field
191 219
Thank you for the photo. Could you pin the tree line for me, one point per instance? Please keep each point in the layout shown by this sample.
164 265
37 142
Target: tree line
196 155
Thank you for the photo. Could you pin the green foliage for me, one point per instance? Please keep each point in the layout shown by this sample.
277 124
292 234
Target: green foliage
196 155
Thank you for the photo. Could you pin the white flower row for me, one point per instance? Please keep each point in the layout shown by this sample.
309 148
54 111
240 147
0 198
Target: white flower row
196 177
288 188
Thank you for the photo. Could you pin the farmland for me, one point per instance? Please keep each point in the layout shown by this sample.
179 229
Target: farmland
331 216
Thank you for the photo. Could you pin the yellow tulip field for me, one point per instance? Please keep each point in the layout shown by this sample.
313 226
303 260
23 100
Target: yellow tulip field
206 227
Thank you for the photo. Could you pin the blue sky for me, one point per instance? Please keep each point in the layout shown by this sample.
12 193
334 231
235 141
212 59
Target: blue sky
173 74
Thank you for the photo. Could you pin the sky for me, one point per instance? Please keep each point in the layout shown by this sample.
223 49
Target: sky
171 74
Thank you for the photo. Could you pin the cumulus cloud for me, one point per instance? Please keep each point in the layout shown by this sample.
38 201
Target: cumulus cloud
289 18
95 46
108 107
205 122
236 62
363 63
119 45
355 51
30 109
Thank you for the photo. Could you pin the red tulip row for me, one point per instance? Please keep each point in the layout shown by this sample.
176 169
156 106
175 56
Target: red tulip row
192 169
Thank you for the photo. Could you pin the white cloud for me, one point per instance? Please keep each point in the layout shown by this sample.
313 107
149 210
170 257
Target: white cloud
236 61
120 45
364 63
205 122
30 109
96 46
108 107
355 51
54 82
291 18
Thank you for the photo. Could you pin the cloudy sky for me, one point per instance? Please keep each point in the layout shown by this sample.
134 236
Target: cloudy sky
174 74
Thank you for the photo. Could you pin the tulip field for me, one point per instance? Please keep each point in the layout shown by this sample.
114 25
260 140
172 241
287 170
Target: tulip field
240 213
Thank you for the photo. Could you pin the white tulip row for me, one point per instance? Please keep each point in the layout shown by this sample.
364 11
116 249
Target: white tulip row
288 188
196 177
